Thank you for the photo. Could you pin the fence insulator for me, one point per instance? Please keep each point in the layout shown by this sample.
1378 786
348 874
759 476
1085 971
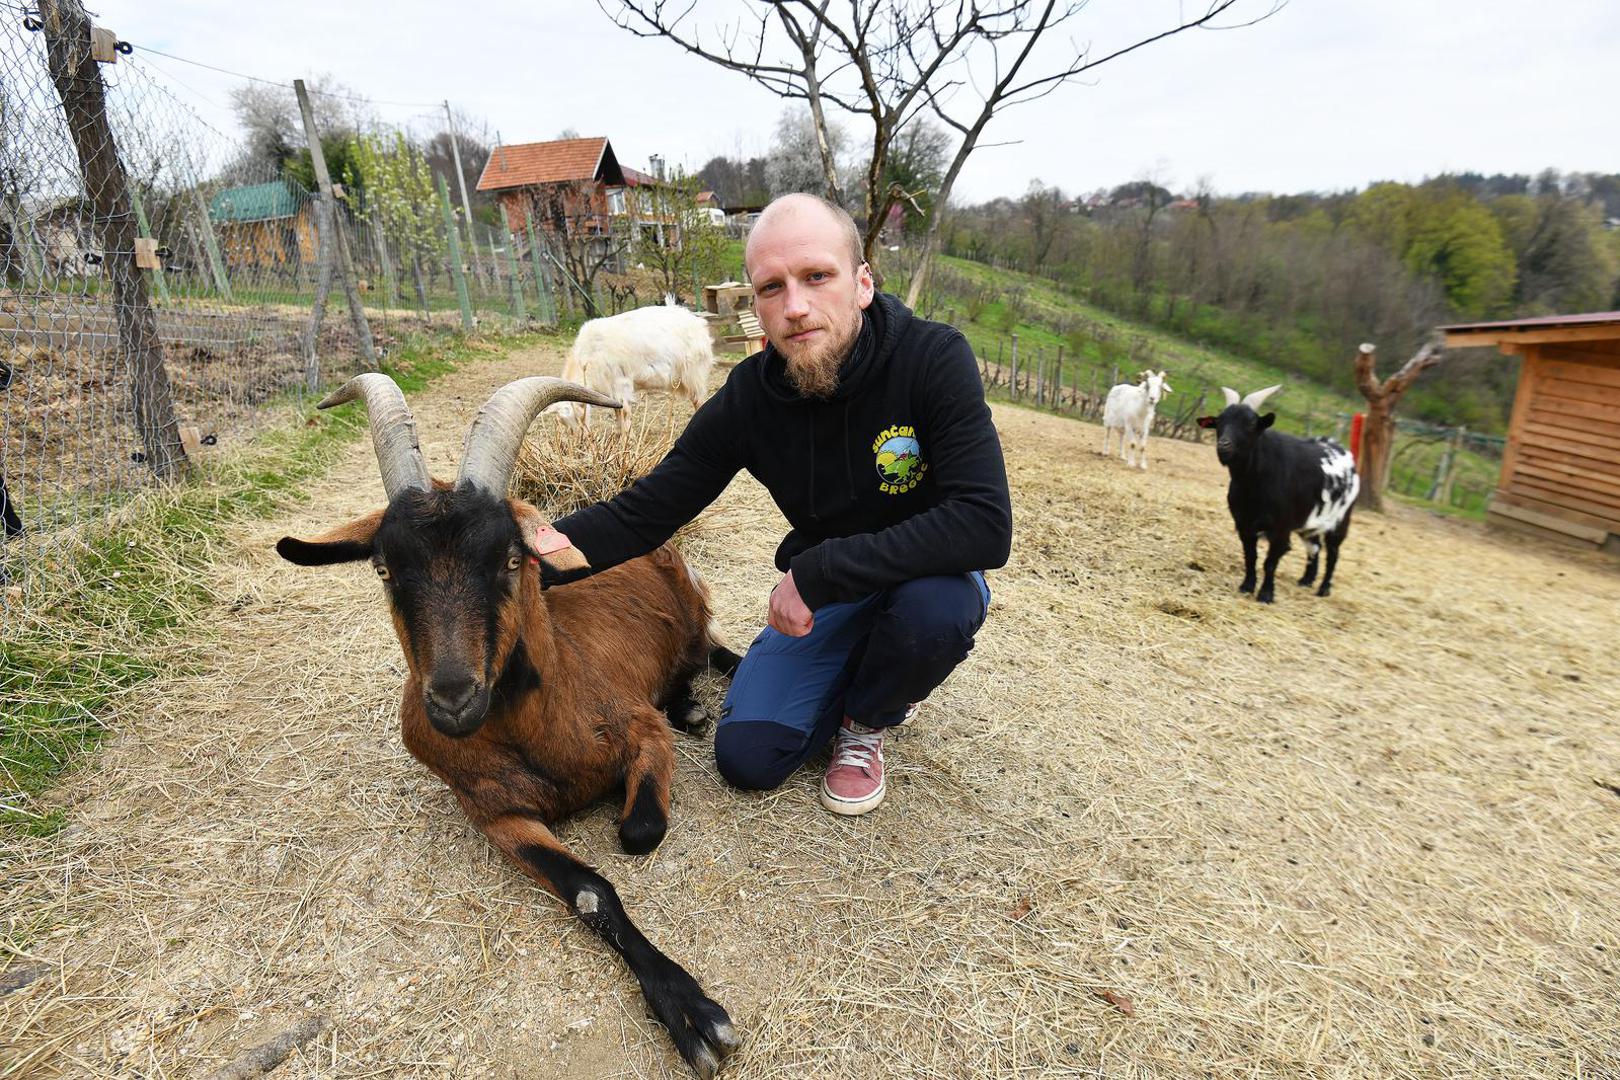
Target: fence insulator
146 253
103 45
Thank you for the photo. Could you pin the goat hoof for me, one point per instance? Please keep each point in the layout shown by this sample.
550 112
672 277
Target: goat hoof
1325 590
643 828
696 720
638 836
703 1032
1307 582
1246 587
1264 596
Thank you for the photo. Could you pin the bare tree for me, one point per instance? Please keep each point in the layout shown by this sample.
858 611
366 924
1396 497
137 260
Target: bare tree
794 161
1011 80
1044 210
274 130
1378 429
888 62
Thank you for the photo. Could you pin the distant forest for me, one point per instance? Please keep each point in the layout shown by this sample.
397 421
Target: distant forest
1300 280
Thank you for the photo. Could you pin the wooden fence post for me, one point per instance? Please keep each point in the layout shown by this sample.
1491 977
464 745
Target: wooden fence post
1014 384
1440 489
323 288
345 266
106 185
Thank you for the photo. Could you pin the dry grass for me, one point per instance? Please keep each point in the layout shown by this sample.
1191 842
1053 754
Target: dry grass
1151 829
561 469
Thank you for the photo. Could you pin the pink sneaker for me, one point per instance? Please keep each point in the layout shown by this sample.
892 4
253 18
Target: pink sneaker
854 781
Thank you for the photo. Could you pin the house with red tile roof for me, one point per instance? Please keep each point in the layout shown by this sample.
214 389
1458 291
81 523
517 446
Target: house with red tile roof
571 187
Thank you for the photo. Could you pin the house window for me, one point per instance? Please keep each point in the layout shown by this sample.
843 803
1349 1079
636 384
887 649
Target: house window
616 201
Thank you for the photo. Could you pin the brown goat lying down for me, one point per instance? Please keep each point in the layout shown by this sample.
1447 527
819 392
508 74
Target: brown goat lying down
531 703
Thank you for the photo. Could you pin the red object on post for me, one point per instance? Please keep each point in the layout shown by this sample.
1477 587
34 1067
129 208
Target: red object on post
1355 436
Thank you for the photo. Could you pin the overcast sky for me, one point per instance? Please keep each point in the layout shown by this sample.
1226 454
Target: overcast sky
1326 94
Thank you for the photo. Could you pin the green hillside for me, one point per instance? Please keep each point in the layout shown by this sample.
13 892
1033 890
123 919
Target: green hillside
989 305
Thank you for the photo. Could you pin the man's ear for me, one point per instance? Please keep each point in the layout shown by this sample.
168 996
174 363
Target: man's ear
865 285
543 542
1267 420
1206 421
346 543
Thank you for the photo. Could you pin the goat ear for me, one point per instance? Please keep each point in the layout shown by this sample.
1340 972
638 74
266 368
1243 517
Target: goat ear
346 543
544 543
1206 421
1267 420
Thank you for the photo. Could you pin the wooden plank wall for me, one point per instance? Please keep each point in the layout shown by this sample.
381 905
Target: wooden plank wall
1563 454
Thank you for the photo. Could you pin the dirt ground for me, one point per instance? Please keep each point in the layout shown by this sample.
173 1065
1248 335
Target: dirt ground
1150 829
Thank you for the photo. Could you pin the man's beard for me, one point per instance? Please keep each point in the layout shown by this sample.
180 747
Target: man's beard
813 371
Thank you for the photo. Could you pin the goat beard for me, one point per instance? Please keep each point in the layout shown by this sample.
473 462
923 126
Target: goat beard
813 370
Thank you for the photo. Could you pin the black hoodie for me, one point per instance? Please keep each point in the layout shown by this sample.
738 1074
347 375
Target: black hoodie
898 475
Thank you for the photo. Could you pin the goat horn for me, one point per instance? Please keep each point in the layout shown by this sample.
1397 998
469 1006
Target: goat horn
1232 396
393 430
497 430
1258 398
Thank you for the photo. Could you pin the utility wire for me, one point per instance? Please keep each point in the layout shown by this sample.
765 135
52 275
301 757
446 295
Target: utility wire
288 86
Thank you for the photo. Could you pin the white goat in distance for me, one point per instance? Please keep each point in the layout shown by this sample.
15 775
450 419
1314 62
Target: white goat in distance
665 348
1129 411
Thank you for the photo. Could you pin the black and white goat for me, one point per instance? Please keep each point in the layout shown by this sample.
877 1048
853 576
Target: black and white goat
1282 484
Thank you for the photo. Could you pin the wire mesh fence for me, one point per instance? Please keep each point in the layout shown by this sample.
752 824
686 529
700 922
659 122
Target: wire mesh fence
163 286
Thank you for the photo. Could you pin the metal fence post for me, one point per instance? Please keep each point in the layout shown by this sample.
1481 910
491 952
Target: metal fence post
390 282
146 230
542 275
456 269
519 312
216 261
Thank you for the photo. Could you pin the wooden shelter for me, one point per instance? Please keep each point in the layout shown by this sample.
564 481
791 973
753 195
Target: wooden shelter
268 226
1561 469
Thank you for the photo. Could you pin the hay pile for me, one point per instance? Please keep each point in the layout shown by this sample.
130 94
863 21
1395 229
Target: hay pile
1151 829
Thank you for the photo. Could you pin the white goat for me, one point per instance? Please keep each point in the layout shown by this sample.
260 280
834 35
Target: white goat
1130 412
664 348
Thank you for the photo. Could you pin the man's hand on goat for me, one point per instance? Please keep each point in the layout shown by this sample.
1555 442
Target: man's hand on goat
789 615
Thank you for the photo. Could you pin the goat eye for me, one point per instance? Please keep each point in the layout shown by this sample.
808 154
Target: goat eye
382 571
514 562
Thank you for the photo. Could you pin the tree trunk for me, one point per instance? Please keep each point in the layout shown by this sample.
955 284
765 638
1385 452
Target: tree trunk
1378 428
1377 436
78 82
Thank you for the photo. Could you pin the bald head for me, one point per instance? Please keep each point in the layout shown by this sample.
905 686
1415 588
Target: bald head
802 213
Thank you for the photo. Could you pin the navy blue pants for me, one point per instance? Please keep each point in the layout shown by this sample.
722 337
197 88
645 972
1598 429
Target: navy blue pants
867 660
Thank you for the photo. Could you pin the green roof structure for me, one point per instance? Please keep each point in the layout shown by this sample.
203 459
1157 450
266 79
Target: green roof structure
256 202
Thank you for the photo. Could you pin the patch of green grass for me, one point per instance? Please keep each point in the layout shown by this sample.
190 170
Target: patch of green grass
69 656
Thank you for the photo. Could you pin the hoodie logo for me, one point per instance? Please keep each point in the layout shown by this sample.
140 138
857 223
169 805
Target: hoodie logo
899 459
